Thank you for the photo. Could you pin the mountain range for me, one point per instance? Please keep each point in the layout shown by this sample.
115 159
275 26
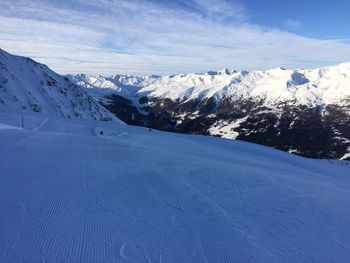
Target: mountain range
305 112
78 185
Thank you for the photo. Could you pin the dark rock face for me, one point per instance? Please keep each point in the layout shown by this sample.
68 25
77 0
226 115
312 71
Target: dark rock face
312 132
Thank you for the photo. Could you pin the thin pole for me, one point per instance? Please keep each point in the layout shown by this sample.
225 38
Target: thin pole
22 122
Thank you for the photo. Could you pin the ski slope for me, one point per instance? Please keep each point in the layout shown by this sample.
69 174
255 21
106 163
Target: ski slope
71 194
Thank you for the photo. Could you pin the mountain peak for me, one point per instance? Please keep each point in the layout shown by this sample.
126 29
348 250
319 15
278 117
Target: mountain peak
316 86
28 86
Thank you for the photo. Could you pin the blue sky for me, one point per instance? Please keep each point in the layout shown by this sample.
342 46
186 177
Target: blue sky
164 37
321 19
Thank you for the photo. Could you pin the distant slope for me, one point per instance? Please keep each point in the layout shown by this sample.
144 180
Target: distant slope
70 194
27 86
306 112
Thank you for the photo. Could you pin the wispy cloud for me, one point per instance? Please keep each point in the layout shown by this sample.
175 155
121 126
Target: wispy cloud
293 24
221 10
148 36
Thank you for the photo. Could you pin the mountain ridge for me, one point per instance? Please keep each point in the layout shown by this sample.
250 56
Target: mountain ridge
304 86
306 112
26 85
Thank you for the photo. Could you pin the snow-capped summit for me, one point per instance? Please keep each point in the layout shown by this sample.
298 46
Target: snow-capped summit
124 85
307 87
28 86
321 86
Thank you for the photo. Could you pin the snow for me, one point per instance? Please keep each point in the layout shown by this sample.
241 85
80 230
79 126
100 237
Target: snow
71 195
99 86
323 86
9 127
346 155
226 129
28 86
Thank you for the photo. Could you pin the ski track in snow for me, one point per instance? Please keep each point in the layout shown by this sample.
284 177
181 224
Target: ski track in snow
40 125
9 127
69 195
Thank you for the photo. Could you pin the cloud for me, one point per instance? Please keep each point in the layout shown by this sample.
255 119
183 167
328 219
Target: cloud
221 10
153 37
293 24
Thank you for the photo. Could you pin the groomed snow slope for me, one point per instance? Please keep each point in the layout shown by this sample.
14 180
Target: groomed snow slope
70 194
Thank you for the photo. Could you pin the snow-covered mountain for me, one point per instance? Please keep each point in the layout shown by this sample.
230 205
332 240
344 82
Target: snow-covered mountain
28 86
74 189
322 86
306 112
130 195
301 111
